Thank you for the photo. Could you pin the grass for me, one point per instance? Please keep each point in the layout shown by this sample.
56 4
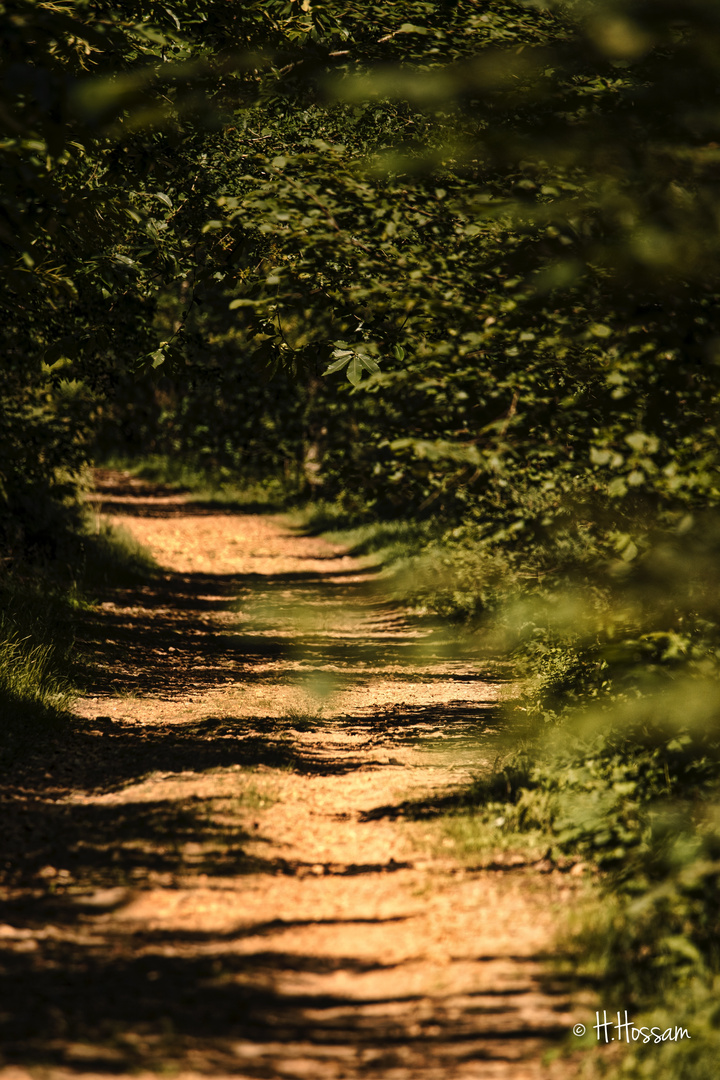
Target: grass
494 815
40 601
301 720
393 540
30 685
488 835
35 695
691 1003
254 797
110 555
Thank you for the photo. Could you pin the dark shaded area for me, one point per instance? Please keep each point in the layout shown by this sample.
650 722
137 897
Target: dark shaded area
85 846
104 755
119 492
160 639
114 844
95 1008
423 809
467 798
162 505
455 726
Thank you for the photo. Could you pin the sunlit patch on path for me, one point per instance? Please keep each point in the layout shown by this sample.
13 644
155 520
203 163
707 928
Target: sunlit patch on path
216 876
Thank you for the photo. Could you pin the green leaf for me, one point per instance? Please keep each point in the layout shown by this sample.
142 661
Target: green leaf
368 363
355 369
411 28
343 358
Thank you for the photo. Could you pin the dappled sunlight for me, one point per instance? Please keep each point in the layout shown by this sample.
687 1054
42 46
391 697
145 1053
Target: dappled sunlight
223 872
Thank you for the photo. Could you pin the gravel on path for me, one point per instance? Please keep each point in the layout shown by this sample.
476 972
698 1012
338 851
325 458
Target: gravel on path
218 875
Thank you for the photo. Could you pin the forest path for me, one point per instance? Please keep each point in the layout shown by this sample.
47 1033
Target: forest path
218 876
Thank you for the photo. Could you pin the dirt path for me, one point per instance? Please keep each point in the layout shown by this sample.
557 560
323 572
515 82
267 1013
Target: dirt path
217 876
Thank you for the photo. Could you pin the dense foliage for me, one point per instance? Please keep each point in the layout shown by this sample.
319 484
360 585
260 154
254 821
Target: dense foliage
499 221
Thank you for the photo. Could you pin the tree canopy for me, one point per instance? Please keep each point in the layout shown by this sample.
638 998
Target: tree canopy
500 217
450 261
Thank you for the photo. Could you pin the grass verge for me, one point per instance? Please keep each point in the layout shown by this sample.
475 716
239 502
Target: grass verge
109 555
35 644
40 601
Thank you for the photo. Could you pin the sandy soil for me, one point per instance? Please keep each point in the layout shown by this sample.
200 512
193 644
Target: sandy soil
219 873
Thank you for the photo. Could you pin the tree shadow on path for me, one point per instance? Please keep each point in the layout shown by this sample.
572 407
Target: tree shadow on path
87 834
102 1008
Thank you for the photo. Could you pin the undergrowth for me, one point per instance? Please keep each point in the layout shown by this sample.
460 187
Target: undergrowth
42 594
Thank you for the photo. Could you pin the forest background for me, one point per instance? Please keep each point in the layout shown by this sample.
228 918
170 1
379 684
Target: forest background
449 272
